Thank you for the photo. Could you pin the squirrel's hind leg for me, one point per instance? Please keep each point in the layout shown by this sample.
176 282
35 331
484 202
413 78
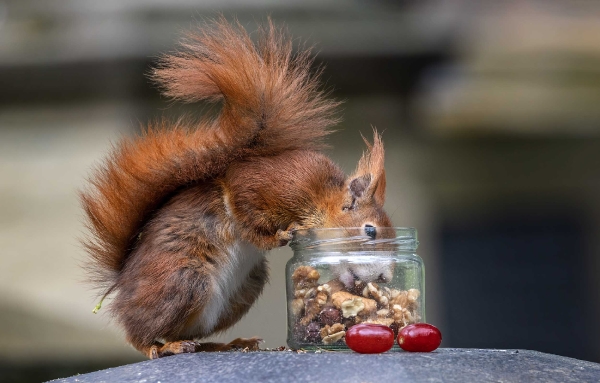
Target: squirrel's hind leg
159 350
237 344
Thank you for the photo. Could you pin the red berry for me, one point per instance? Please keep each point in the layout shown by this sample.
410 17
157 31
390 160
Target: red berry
370 338
419 337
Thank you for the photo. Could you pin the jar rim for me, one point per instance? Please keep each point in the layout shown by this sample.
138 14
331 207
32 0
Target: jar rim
400 238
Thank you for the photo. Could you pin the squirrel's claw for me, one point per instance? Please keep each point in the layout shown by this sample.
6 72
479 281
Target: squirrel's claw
284 236
172 348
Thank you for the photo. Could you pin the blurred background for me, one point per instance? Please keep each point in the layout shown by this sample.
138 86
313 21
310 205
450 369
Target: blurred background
491 120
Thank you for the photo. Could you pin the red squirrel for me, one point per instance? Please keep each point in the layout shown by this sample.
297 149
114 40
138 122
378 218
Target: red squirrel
181 216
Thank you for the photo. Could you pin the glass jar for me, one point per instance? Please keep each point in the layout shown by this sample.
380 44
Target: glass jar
340 277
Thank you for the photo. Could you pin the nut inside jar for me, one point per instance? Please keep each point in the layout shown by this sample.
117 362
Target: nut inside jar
323 312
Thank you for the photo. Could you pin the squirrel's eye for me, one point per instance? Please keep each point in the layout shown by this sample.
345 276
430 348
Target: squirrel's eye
371 231
351 206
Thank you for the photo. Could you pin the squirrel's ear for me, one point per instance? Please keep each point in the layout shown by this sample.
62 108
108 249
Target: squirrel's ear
368 181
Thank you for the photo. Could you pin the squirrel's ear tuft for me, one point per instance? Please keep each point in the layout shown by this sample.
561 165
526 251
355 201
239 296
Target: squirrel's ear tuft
368 181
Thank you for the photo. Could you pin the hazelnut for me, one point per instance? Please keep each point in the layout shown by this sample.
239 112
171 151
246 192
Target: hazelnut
313 332
330 315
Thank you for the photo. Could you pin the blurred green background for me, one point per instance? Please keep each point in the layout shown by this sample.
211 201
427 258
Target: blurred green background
491 121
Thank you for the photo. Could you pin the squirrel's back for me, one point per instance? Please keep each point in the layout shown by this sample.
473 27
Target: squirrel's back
270 104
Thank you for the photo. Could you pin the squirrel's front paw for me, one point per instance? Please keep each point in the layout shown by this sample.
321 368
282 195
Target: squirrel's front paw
284 236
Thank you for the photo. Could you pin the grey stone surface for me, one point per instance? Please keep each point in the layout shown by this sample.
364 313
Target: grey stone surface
443 365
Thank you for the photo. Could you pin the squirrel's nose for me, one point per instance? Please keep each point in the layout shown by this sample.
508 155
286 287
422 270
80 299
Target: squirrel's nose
371 231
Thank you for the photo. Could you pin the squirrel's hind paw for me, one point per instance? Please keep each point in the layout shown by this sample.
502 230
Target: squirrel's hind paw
171 348
245 343
250 344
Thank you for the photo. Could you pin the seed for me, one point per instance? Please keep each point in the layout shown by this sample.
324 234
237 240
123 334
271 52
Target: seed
419 337
369 338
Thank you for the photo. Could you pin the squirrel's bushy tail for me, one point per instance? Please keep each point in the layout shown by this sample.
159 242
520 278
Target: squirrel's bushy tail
262 86
270 103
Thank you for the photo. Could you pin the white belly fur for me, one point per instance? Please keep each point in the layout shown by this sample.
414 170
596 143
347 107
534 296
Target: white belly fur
243 258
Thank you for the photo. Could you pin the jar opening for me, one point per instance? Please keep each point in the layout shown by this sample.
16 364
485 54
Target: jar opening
367 238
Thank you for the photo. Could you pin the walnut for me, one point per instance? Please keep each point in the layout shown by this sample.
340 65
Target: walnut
325 331
340 297
305 293
413 295
403 316
297 307
399 298
383 313
331 339
398 315
413 299
323 293
358 287
312 309
334 286
408 318
331 334
372 290
324 312
352 305
384 321
305 276
333 329
322 298
324 287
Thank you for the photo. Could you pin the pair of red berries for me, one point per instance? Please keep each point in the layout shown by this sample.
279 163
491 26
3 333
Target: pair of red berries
374 338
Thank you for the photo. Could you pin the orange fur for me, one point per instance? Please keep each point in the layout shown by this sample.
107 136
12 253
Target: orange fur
180 215
271 104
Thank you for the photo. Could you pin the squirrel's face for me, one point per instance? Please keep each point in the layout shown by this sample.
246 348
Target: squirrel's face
365 216
360 201
359 205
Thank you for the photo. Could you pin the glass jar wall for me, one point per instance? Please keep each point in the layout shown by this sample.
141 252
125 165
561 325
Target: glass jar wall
344 276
